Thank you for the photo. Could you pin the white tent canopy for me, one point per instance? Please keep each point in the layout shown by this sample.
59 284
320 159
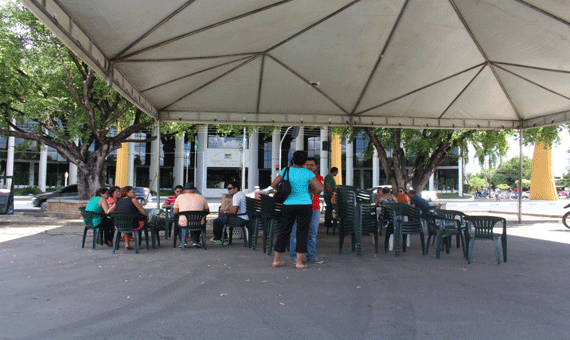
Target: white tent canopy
487 64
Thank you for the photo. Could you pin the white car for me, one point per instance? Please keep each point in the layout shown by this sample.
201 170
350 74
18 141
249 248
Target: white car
430 195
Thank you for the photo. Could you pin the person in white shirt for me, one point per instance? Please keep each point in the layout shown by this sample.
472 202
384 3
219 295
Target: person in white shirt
234 215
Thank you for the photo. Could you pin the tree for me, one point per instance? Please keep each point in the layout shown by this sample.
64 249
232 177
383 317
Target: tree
491 146
508 172
49 95
423 149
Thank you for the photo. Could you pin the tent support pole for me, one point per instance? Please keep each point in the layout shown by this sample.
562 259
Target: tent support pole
520 174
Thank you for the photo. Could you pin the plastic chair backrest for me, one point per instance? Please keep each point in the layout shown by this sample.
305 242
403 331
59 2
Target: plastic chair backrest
124 221
88 217
483 225
193 218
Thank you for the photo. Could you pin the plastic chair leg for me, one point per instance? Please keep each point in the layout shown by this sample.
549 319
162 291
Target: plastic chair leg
116 240
504 245
497 251
84 235
423 241
470 251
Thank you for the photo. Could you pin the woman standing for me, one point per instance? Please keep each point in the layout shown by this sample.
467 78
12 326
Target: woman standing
297 207
99 205
129 203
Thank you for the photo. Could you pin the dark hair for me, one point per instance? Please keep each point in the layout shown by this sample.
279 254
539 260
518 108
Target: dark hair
178 187
385 190
113 189
334 169
299 157
125 190
234 184
411 192
101 191
311 159
403 189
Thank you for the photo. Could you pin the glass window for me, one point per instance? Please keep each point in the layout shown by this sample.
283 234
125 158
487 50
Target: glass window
218 142
219 177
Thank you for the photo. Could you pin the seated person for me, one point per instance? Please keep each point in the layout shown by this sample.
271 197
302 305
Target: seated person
402 197
189 200
99 205
418 202
235 215
384 197
114 195
171 199
129 203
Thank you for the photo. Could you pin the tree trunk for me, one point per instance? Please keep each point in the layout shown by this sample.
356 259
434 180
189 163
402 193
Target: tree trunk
91 177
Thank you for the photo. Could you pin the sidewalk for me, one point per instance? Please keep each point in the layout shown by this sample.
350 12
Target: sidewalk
54 289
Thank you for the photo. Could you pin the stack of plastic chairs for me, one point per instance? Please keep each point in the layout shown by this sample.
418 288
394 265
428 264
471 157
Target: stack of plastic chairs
357 213
271 213
253 208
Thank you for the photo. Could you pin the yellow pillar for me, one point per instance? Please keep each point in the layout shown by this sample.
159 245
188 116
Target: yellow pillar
336 157
122 169
542 186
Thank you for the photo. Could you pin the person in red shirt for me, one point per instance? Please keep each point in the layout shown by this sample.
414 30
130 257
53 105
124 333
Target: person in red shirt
311 164
170 200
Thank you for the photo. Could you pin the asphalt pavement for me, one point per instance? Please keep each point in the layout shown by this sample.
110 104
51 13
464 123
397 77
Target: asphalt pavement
54 289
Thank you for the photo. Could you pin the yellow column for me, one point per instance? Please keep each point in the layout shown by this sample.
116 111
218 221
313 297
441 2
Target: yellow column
542 186
336 157
122 170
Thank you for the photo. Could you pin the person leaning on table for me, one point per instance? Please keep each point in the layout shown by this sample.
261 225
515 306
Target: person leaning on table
297 207
98 204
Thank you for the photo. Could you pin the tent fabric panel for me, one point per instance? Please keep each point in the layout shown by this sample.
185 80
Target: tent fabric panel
482 99
341 52
430 102
201 14
255 33
558 82
529 99
285 90
509 31
114 25
167 94
236 91
421 52
149 74
559 8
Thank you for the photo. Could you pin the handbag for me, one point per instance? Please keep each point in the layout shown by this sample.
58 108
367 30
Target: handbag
283 188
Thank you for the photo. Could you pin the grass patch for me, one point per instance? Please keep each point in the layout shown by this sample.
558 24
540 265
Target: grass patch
452 196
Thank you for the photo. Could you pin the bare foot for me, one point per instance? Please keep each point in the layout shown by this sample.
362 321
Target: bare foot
128 247
301 266
277 264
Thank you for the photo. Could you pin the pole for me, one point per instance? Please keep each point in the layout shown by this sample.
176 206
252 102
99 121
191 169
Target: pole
280 146
243 161
520 173
158 166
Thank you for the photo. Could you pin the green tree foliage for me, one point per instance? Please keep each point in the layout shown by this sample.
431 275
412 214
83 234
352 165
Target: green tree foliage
421 150
47 94
508 172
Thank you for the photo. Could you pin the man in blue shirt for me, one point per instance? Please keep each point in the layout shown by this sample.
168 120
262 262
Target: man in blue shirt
418 202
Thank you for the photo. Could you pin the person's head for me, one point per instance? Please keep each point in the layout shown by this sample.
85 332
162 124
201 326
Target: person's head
401 191
189 188
233 187
334 171
299 158
128 191
412 193
103 192
115 192
178 190
311 164
385 190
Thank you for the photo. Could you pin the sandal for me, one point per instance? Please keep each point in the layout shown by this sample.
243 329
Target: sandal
303 266
129 248
277 264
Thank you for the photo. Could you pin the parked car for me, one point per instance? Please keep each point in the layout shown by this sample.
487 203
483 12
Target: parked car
70 192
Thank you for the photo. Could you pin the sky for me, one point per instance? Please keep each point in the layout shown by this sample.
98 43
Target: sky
560 156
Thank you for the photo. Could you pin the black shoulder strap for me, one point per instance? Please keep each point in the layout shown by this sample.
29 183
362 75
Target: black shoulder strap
286 174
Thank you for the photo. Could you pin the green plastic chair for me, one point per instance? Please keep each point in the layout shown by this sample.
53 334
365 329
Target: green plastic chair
125 223
271 213
194 219
357 214
443 228
407 221
483 230
454 214
88 221
253 208
153 216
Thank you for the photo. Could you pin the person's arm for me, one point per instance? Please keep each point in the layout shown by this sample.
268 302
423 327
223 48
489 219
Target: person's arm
105 206
316 185
139 206
328 186
206 207
166 205
175 208
276 182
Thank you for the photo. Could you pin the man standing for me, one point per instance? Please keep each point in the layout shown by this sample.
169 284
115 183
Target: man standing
311 164
191 201
418 202
330 186
234 215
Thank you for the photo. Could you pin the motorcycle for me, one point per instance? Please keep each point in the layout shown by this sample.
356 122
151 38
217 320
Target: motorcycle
565 218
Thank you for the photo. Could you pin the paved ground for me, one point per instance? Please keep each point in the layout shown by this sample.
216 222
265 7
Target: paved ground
53 289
